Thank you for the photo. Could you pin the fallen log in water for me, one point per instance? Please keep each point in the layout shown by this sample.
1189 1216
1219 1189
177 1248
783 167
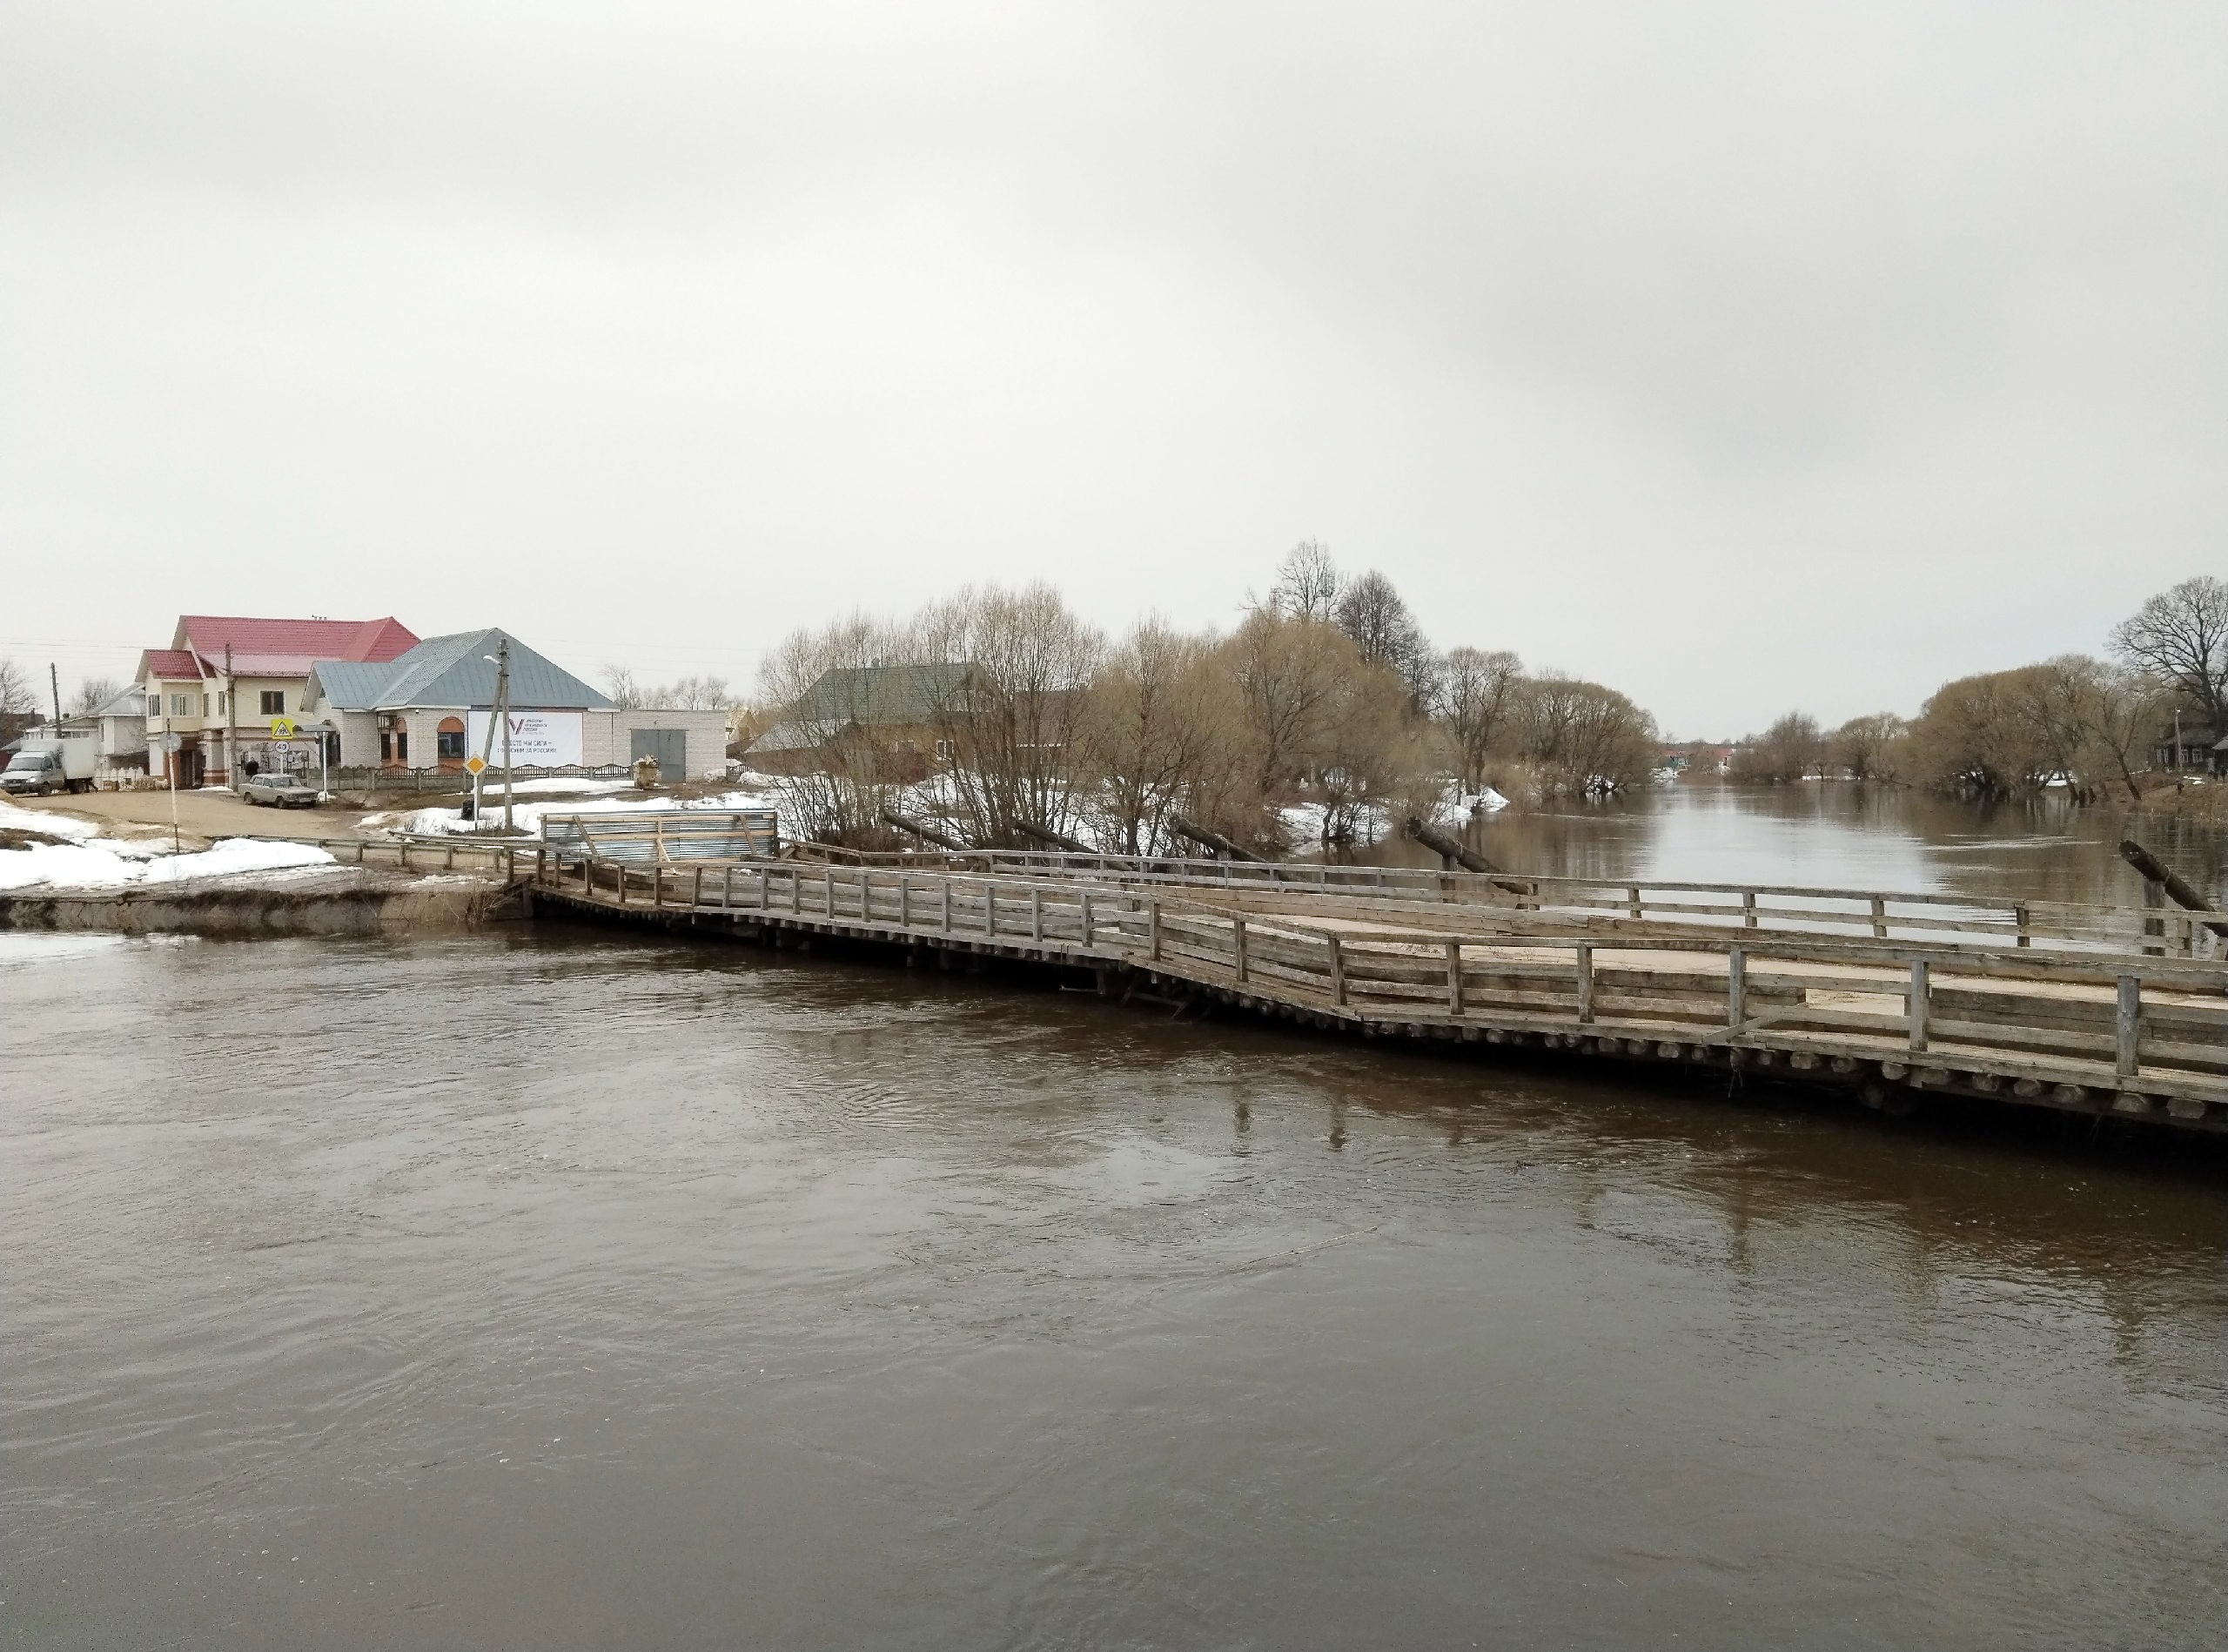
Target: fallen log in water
1051 839
1207 837
2157 871
921 829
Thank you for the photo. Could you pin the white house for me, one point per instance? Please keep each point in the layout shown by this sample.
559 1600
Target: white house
431 708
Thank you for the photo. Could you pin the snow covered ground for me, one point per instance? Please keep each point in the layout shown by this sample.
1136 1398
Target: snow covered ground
100 863
439 822
53 825
556 787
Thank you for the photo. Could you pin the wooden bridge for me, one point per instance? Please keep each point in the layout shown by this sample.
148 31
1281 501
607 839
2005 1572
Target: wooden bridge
2093 1010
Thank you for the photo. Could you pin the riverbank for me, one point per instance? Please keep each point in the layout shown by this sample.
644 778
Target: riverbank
316 900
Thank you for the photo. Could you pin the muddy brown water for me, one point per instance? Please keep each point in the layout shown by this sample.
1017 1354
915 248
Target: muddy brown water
578 1289
1847 837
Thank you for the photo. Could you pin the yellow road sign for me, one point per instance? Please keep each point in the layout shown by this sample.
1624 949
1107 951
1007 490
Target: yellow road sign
474 765
282 727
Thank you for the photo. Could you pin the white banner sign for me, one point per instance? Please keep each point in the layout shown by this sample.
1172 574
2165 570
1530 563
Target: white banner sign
538 739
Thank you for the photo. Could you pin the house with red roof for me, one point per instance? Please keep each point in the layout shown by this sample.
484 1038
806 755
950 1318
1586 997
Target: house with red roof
226 680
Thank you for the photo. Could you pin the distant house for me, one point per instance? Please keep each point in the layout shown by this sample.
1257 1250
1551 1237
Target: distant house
431 708
119 727
224 679
2190 745
895 710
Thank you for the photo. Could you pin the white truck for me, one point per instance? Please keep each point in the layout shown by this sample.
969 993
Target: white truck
41 767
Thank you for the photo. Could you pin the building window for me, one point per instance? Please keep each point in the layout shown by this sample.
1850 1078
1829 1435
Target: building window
177 705
448 741
944 751
274 702
205 705
224 704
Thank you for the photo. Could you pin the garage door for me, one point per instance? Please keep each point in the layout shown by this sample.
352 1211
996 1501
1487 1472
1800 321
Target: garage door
668 746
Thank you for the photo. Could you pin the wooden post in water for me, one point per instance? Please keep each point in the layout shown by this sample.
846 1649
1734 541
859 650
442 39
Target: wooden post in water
1237 945
1736 988
1037 913
1152 930
2127 1025
944 900
1586 980
1748 909
1338 970
1879 917
1921 1004
1454 978
1089 925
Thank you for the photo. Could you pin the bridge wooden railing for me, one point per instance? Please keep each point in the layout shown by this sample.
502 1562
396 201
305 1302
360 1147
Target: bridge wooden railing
1879 915
2127 1025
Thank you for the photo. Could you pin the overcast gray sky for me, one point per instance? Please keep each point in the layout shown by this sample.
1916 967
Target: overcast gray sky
1743 356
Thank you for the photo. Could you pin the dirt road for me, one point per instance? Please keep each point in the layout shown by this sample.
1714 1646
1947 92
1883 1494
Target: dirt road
202 814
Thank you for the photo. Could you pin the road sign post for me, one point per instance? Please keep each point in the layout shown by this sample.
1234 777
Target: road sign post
172 745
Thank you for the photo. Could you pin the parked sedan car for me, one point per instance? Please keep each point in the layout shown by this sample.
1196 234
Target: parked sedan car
276 790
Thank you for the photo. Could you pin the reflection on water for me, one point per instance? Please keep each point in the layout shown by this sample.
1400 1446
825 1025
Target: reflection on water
1846 836
582 1290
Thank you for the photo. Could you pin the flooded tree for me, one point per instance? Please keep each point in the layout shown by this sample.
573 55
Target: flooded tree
1478 695
1871 748
1792 748
1586 739
1159 736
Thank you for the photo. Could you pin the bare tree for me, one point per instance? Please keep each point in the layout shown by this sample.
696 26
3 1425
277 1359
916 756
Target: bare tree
1870 747
1371 752
686 694
1588 740
1158 735
18 700
1478 692
1307 584
92 693
1374 616
835 773
1287 673
1792 748
1011 733
1977 733
625 694
2180 636
2093 721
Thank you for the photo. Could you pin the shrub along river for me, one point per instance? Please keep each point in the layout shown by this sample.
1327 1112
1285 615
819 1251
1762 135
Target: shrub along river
569 1288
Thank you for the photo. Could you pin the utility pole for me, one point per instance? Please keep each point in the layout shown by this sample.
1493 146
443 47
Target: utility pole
54 682
503 694
232 716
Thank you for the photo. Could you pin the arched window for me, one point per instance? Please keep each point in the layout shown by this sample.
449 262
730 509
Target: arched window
448 743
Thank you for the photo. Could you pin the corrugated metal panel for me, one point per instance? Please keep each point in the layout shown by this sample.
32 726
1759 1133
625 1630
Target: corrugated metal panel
681 834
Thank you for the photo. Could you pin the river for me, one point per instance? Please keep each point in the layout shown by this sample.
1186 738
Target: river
565 1288
1847 837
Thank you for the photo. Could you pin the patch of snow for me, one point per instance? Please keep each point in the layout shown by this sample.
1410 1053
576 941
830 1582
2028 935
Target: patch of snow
555 787
445 823
1489 800
53 824
111 865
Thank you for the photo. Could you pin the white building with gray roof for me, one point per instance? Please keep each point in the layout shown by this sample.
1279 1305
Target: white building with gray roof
431 708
